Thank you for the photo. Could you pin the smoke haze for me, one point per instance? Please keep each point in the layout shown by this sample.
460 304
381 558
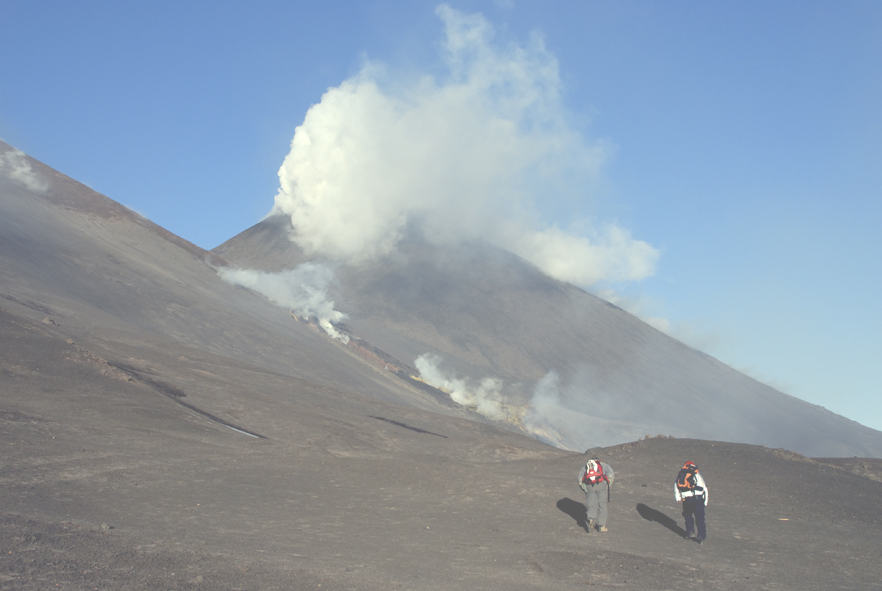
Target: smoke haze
485 396
467 155
573 416
15 165
578 414
544 410
302 289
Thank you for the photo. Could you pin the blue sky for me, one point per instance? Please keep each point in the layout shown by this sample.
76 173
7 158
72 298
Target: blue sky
742 142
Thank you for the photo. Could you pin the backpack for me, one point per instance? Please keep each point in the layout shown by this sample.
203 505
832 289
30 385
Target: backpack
594 473
686 480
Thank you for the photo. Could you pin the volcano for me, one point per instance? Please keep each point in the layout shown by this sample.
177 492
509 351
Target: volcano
488 314
164 429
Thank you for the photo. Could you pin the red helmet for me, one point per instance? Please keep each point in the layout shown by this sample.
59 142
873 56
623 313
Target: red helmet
690 465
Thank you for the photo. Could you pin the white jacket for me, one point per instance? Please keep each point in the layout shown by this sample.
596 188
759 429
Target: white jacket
700 489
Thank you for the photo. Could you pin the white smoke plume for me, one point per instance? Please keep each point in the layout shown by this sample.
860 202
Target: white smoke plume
15 165
471 154
573 415
544 411
579 414
302 289
485 396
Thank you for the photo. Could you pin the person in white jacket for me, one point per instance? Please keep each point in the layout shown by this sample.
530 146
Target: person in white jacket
595 478
691 490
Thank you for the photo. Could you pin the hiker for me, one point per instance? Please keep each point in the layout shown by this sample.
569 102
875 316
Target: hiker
691 490
595 478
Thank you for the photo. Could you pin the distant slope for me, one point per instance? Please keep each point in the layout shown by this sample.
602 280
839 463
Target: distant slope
488 313
108 277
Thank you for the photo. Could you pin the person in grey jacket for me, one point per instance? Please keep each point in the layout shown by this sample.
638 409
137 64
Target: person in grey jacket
691 490
595 478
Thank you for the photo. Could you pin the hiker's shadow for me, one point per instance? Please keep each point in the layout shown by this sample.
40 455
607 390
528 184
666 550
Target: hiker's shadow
650 514
576 510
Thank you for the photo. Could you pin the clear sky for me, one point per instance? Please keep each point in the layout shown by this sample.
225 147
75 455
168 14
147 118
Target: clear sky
738 144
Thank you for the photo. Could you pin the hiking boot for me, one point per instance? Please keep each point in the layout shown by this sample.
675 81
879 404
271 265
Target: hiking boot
699 540
592 523
602 529
690 535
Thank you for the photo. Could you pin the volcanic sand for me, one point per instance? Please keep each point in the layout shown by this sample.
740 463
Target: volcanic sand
108 482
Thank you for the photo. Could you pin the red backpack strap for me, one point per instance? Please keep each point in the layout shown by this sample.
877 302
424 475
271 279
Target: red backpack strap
596 475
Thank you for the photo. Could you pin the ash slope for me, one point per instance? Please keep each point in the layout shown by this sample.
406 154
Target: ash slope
124 362
108 278
109 484
488 313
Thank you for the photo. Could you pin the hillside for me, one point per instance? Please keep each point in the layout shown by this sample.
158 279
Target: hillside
486 313
163 429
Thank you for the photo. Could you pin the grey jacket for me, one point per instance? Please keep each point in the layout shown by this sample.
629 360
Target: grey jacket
607 471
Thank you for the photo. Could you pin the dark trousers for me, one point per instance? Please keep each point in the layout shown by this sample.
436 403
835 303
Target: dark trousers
693 511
